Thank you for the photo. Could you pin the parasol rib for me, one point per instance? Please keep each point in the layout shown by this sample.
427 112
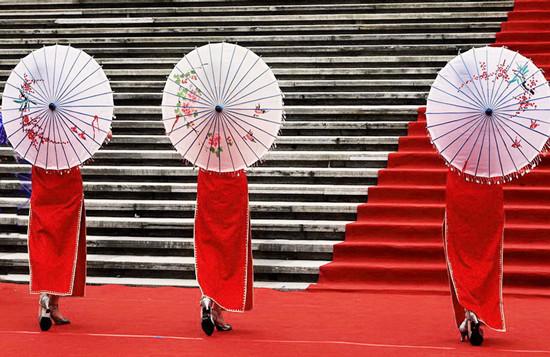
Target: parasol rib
57 83
61 88
206 89
453 121
204 141
246 132
66 100
226 91
474 100
232 140
38 81
198 134
507 95
222 95
205 71
485 98
232 99
502 122
226 121
454 96
495 124
474 126
242 78
456 129
70 84
252 117
472 80
477 99
63 97
207 96
235 117
216 90
496 146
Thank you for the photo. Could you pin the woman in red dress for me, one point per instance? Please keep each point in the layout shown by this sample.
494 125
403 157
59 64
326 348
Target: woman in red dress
473 238
56 240
223 253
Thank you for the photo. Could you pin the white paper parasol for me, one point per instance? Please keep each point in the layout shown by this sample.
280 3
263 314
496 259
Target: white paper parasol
57 107
488 114
222 107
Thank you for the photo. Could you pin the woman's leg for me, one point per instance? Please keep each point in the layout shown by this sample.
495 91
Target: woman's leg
56 315
219 321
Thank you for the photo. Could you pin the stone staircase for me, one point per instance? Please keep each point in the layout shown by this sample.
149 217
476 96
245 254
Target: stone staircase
353 73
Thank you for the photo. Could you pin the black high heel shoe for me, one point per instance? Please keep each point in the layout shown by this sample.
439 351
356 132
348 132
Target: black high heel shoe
56 316
470 329
44 312
223 327
219 322
207 320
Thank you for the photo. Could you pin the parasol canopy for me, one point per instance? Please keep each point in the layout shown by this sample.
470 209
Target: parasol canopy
57 107
222 107
488 114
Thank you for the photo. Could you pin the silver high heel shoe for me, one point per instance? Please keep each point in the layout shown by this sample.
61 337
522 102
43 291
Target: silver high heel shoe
207 319
470 329
44 312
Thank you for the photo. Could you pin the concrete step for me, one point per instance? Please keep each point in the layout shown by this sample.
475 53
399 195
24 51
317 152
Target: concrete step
167 208
70 4
177 189
7 152
259 10
298 229
299 50
357 127
350 111
448 16
274 62
178 246
252 172
403 38
336 97
114 73
173 266
187 283
313 114
278 158
191 30
281 140
134 85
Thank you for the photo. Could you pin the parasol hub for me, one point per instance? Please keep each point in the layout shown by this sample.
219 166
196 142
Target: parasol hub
219 108
489 112
52 106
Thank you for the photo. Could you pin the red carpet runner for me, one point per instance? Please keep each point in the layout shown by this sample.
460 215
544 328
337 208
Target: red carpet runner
395 244
152 322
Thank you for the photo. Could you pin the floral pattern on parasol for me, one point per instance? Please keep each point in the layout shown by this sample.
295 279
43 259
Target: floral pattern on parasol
222 107
488 114
57 107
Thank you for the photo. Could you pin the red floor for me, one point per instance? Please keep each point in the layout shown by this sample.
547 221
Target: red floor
127 321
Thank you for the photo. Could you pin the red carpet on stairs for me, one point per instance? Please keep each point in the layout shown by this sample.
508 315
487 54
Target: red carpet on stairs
396 242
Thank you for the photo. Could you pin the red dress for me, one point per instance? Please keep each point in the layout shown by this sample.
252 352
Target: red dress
57 233
223 252
473 237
